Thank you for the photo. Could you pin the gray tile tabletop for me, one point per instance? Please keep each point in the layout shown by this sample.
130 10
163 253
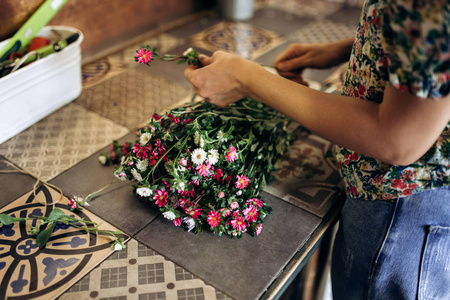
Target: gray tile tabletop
117 204
13 185
245 267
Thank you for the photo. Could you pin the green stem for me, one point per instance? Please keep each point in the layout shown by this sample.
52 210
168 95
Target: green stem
91 195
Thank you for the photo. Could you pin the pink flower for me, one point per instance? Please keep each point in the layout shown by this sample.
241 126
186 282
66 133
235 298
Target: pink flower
234 205
203 170
231 154
213 218
258 229
141 152
144 56
160 197
183 162
251 213
221 195
225 212
242 182
72 204
125 148
177 221
239 223
255 201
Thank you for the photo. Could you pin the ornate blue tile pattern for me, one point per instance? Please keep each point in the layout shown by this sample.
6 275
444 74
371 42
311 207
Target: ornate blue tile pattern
30 272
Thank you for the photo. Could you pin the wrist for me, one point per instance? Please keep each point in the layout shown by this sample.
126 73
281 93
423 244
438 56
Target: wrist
248 72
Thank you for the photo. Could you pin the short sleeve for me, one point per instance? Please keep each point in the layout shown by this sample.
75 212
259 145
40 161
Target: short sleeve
415 37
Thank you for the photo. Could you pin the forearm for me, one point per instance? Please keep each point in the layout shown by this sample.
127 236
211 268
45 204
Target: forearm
343 49
363 126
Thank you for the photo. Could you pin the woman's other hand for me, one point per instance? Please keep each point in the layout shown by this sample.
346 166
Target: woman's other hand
291 63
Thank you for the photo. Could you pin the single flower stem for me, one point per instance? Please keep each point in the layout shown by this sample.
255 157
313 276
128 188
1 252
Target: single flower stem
91 195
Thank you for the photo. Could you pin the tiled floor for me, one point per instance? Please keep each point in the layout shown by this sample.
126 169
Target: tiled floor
118 96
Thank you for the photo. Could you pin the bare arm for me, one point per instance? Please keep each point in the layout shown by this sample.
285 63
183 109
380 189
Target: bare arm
397 131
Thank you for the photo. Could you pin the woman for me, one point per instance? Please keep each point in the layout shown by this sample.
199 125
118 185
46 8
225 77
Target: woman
392 127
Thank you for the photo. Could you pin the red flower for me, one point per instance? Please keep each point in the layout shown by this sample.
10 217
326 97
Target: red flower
242 182
218 174
239 223
255 201
141 152
177 222
160 197
251 213
156 117
144 56
193 212
213 218
231 154
204 170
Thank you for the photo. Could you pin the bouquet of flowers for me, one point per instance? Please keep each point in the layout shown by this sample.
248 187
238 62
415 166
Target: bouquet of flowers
203 165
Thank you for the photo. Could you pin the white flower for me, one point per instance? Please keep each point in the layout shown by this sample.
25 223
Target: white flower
169 215
142 165
145 137
213 156
220 136
118 247
102 159
144 192
190 223
239 193
181 169
197 138
198 156
136 175
188 50
180 185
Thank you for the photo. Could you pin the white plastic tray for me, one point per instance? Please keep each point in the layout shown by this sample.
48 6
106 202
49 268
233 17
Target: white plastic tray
36 90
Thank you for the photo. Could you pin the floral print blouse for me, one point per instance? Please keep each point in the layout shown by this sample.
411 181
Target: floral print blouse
404 43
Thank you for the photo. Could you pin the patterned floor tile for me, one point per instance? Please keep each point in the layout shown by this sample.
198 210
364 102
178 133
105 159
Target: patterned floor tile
242 39
322 32
306 175
61 140
138 272
132 97
100 70
29 272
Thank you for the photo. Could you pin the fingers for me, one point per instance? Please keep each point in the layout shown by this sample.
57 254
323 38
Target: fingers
295 64
205 60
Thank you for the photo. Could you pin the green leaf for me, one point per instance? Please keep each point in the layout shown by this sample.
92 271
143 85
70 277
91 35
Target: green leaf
56 214
254 146
7 219
43 237
182 61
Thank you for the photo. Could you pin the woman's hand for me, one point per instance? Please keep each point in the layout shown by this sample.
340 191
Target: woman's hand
221 79
297 57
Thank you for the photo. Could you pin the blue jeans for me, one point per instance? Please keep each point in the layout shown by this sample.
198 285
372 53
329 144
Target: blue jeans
394 249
